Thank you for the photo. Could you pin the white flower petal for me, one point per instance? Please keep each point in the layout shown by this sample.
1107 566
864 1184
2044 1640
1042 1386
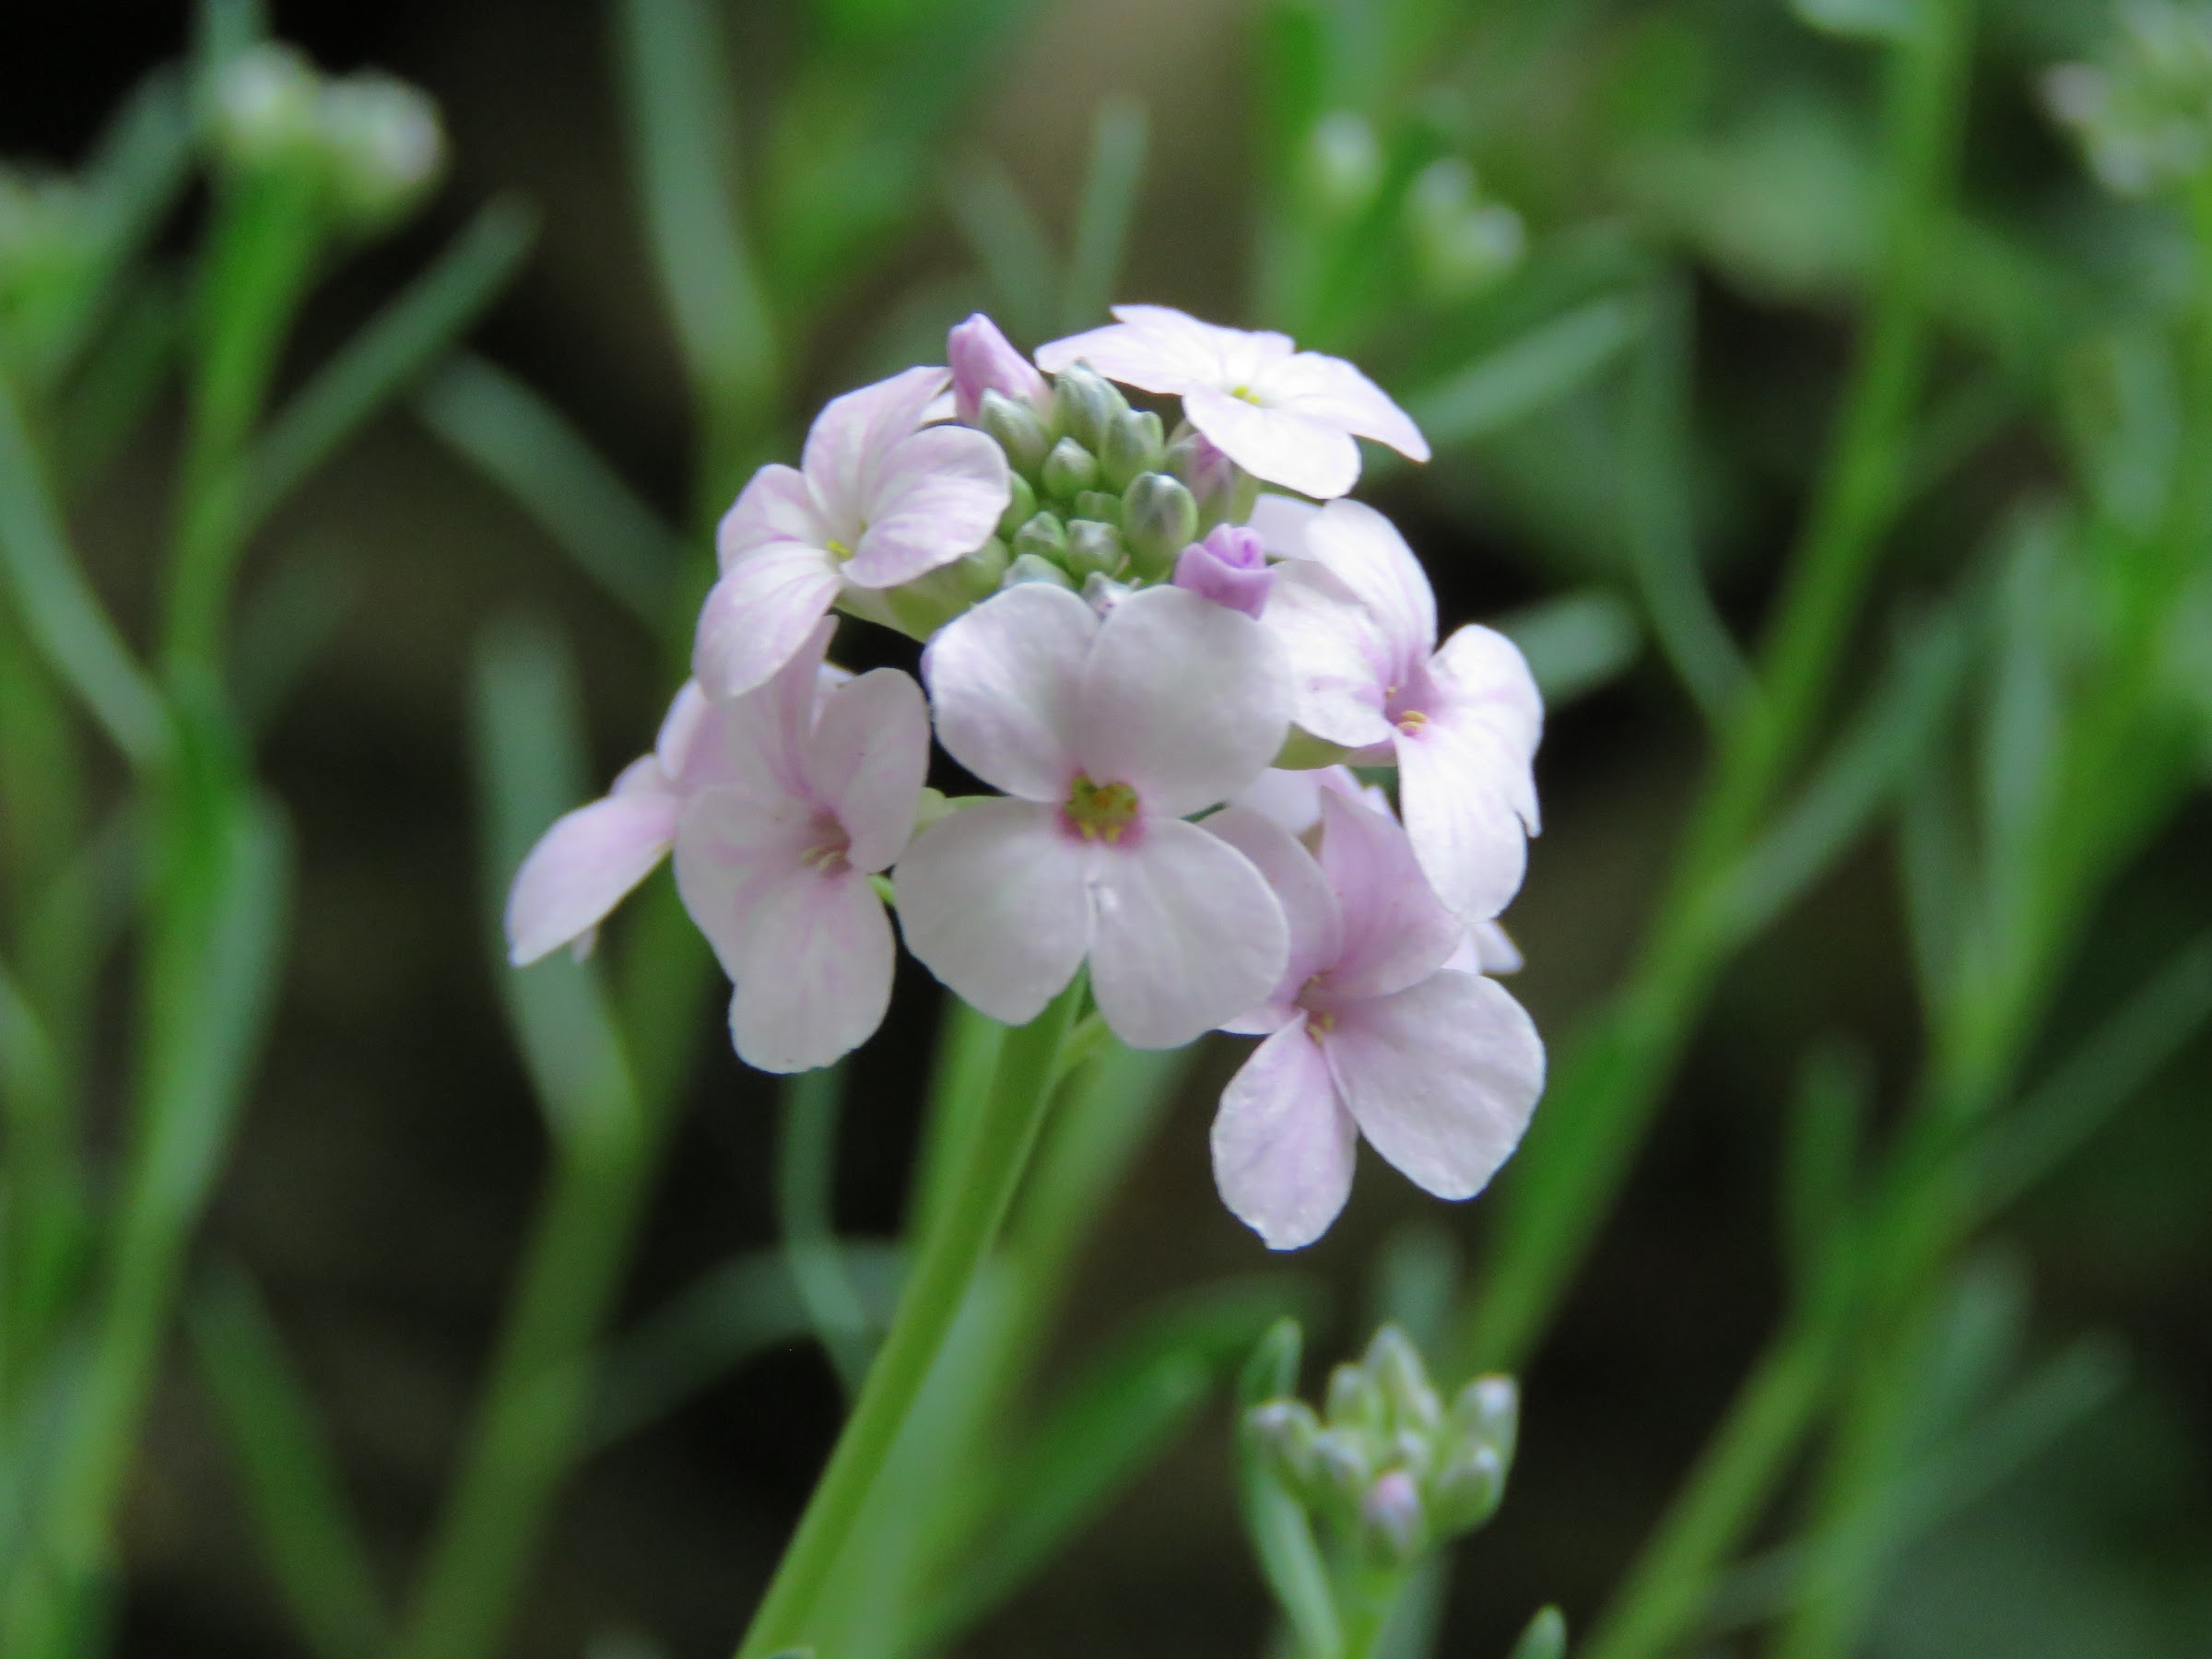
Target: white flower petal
1363 550
1187 935
732 850
776 509
937 496
866 762
1330 390
817 975
755 744
1442 1078
1282 522
1004 679
1458 788
1278 446
1283 1146
1338 656
759 614
852 437
993 901
1310 908
1396 933
681 728
1183 699
1487 948
1480 675
582 867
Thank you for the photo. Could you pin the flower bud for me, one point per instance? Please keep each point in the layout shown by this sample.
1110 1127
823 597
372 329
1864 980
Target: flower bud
1466 1491
1161 519
1021 505
386 146
1135 444
1029 567
1221 488
1088 405
982 359
1068 469
1342 1469
1018 429
1393 1529
1355 1401
1487 1413
1285 1431
1102 593
925 605
1043 537
1396 1365
1098 504
265 108
1230 568
1544 1637
1093 549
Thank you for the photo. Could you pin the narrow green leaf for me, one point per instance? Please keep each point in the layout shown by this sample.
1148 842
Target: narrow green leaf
402 343
111 395
1546 1637
805 1172
1105 212
1823 1135
306 1528
1576 644
1528 374
284 625
527 446
58 609
1009 243
1938 891
2022 725
1281 1535
1861 20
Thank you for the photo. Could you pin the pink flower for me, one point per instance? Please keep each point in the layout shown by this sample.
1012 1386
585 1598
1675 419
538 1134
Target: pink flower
811 793
1106 733
591 858
1286 416
879 499
983 361
1230 568
1369 1035
1358 620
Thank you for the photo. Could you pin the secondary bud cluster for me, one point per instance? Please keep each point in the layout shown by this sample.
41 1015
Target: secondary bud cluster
2144 114
372 144
1386 1464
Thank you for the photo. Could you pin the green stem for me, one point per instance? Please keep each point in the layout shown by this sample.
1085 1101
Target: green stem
1584 1139
806 1165
949 1258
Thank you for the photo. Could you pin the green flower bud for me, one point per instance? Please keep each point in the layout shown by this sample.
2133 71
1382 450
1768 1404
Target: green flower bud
1093 549
1342 1469
1393 1526
1161 519
1355 1401
266 107
922 607
1020 507
1135 444
384 143
1088 405
1069 469
1104 592
1284 1432
1466 1491
1029 567
1546 1637
1487 1413
1098 504
1225 492
1396 1365
1043 537
1017 430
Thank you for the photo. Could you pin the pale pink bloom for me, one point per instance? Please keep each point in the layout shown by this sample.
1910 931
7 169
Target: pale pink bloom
591 858
1368 1034
982 359
1106 732
1229 566
877 500
1285 416
1462 724
812 792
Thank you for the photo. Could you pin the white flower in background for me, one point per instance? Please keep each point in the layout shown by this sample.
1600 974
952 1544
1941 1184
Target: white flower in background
1285 416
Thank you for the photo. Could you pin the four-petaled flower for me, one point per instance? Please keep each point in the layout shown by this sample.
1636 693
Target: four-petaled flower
1286 416
812 793
1368 1034
1106 734
879 499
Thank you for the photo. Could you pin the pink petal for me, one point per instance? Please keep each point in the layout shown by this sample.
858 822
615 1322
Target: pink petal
1330 390
817 974
1280 446
583 867
755 744
732 850
1005 679
1395 931
1153 358
1481 675
1283 1146
1486 948
1181 699
776 509
993 900
1337 654
1363 550
759 616
936 495
1187 935
982 359
1290 800
1442 1078
854 436
681 728
1458 786
868 759
1281 522
1315 921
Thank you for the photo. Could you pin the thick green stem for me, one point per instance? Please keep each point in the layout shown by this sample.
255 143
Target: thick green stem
960 1239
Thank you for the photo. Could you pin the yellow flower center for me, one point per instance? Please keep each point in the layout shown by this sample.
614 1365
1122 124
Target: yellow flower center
1100 811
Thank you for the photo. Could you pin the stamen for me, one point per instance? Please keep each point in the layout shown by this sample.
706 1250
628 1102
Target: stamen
1098 811
1412 721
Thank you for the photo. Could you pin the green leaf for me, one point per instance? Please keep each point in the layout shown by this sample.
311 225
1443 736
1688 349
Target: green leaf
1103 216
1861 20
1281 1535
805 1171
1576 644
284 625
402 343
530 769
1546 1637
1823 1136
527 446
57 606
1516 380
293 1487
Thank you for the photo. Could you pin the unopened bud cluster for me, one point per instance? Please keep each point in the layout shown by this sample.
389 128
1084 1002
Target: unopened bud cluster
1386 1464
372 143
2144 114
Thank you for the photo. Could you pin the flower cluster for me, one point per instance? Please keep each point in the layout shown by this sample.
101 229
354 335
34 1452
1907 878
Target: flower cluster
1136 646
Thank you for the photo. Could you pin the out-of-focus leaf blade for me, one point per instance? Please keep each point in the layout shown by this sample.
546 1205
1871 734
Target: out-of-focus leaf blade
1546 1637
1526 374
806 1165
1281 1536
1576 644
1104 215
1010 245
1822 1138
284 625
